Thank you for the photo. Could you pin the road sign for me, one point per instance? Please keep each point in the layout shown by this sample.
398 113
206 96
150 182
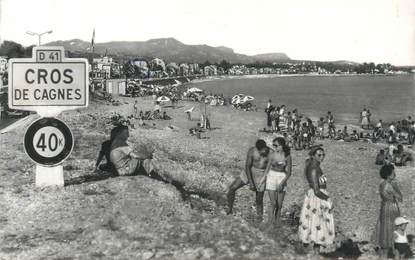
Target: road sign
48 82
48 141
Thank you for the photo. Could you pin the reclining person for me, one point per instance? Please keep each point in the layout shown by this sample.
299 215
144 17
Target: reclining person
105 152
401 158
125 161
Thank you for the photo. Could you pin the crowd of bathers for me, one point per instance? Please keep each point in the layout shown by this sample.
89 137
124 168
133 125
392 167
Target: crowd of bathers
299 131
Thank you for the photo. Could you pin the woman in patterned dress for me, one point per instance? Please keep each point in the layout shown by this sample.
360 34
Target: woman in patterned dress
316 219
389 210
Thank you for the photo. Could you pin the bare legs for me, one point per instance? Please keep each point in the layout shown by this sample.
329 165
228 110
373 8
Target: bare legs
259 205
276 200
230 195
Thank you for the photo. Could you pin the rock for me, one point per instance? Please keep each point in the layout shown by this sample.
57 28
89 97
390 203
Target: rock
243 248
147 255
208 253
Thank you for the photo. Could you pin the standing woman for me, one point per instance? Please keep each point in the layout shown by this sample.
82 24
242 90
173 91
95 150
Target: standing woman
277 173
389 209
316 218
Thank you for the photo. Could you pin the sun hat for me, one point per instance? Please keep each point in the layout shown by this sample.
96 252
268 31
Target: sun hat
400 220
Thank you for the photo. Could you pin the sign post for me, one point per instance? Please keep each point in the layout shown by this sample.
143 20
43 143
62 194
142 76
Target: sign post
48 83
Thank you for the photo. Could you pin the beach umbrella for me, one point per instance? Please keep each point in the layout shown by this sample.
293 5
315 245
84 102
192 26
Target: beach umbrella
177 83
194 89
247 99
239 96
190 110
163 99
236 101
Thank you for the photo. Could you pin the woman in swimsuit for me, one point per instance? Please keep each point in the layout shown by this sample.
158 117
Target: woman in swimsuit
277 173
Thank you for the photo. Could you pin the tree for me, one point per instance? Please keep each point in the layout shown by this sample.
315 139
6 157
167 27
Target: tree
28 51
225 65
128 70
12 50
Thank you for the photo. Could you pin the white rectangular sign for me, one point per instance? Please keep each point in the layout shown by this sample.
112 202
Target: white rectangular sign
48 80
39 84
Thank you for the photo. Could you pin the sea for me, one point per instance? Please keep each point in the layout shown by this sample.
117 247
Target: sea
389 98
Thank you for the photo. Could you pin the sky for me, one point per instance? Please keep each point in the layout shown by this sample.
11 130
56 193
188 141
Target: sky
380 31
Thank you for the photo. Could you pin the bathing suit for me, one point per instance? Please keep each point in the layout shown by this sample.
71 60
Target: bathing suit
274 179
257 176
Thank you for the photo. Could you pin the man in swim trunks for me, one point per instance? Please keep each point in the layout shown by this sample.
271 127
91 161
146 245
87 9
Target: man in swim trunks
330 122
256 162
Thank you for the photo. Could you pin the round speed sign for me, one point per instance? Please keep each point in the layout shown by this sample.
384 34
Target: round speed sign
48 141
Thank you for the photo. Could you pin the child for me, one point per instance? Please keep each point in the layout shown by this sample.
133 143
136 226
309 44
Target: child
345 134
135 109
355 136
320 127
401 245
380 158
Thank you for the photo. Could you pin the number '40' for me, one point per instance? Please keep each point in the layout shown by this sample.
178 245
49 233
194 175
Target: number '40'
52 143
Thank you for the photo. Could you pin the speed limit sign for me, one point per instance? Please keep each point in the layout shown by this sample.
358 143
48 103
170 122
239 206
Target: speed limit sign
48 141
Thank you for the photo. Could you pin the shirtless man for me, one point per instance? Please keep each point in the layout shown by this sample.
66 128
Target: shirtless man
256 162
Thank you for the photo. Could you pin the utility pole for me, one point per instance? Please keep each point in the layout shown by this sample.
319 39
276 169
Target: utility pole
1 26
39 35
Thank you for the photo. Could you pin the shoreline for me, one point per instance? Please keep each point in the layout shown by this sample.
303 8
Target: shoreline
261 76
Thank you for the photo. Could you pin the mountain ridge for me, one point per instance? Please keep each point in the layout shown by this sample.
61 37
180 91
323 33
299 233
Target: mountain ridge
170 50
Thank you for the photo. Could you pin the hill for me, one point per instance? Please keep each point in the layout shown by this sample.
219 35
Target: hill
169 49
272 57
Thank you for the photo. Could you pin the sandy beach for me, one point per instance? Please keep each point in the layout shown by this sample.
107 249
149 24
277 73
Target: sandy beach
95 216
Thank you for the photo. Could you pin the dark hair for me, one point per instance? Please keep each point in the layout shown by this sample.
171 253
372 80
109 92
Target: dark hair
382 151
285 148
260 144
116 130
386 171
400 147
314 149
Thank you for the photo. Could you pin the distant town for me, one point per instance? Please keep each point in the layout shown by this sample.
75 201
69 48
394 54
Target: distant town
105 66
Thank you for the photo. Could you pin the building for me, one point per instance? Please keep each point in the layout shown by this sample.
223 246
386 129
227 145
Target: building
194 68
142 66
210 70
184 69
172 69
3 65
105 67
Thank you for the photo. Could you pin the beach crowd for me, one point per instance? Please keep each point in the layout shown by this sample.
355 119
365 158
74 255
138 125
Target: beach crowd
268 169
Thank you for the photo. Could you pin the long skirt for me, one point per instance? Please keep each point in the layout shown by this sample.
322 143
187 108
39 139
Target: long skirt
317 221
365 121
385 225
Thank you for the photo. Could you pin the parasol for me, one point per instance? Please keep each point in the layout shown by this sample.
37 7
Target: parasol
163 99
